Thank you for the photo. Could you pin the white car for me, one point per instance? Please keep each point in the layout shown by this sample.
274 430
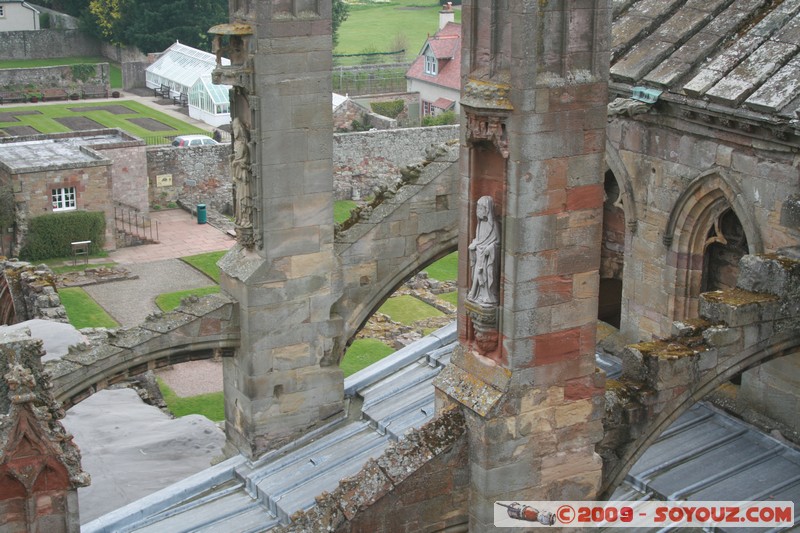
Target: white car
193 140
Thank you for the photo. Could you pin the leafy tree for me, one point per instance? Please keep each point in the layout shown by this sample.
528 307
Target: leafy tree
339 15
106 15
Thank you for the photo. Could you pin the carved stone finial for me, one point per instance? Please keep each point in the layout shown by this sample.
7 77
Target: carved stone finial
21 384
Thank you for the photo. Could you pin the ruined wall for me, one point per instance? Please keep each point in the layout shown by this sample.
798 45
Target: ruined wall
676 184
366 159
421 483
40 465
738 329
32 293
42 44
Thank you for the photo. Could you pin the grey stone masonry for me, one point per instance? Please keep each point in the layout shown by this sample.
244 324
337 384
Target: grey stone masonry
280 383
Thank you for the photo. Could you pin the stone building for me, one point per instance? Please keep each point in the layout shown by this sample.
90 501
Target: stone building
63 172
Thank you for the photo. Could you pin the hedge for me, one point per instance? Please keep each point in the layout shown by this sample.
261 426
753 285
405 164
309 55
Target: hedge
388 109
51 235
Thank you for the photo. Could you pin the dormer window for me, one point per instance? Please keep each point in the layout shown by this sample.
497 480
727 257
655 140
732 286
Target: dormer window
431 65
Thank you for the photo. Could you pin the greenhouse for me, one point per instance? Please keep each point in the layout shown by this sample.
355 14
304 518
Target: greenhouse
209 102
186 70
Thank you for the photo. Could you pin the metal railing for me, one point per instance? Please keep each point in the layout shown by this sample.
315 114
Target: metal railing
130 222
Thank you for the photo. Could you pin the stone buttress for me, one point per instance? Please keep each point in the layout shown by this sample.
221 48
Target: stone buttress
534 95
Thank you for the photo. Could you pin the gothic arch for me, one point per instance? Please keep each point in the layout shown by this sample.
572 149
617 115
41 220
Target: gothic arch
780 345
627 199
699 206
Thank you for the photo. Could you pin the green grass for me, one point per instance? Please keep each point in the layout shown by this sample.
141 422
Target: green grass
212 405
451 297
206 263
445 269
362 353
83 311
375 27
115 73
63 269
170 300
341 210
45 122
406 309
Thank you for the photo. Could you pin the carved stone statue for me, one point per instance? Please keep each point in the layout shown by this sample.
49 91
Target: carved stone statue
240 168
482 255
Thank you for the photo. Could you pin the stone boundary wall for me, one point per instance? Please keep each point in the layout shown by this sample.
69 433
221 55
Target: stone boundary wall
367 159
43 44
53 77
200 173
33 291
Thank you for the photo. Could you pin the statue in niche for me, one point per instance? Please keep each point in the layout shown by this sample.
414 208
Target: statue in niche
482 255
241 170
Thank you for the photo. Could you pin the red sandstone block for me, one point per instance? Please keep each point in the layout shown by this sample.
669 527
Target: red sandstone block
586 197
581 388
557 346
556 173
554 289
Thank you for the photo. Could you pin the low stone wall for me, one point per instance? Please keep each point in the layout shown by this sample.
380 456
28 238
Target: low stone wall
62 77
42 44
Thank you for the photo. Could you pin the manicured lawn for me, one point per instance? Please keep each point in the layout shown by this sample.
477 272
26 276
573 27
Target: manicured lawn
45 120
212 405
63 269
375 27
170 300
115 73
362 353
341 210
407 309
206 263
83 311
445 269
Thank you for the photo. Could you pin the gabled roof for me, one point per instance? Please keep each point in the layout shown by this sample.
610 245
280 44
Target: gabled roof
445 45
184 64
220 94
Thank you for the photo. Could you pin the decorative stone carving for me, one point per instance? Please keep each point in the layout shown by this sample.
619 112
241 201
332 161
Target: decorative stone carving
242 183
488 128
627 107
483 255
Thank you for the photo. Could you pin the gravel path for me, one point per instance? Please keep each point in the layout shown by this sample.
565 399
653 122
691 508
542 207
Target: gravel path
130 301
193 378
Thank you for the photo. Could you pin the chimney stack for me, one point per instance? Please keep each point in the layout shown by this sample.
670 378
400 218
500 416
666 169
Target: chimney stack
446 15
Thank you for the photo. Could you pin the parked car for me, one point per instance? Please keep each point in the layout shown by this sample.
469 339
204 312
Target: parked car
193 140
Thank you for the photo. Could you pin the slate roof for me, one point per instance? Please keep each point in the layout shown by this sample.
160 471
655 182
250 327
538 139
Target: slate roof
704 455
735 56
446 47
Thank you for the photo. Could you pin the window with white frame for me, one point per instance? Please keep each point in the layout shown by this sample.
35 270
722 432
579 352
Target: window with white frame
427 108
63 198
431 66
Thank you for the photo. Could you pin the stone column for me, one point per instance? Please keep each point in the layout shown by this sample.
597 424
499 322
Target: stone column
534 95
282 381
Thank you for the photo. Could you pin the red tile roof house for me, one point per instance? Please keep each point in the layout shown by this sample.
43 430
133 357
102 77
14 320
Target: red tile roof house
436 72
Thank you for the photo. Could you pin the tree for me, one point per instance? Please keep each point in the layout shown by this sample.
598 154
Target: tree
340 12
154 25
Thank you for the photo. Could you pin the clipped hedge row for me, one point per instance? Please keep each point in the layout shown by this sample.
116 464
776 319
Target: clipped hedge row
388 109
52 235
